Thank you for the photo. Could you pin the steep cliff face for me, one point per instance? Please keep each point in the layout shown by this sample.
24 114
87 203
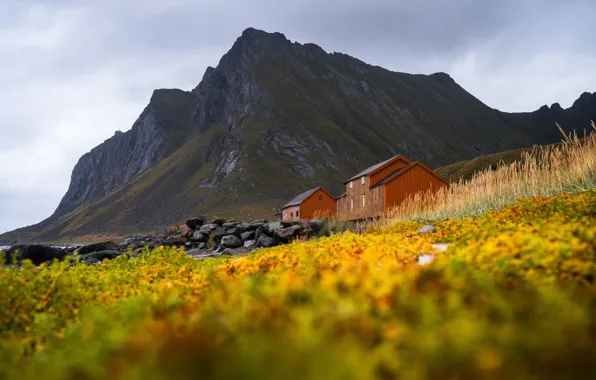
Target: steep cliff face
159 130
270 120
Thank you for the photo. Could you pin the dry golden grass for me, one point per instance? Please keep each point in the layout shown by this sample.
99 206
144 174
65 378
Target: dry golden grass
567 168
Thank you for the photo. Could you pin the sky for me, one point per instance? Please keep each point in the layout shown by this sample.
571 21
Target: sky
75 71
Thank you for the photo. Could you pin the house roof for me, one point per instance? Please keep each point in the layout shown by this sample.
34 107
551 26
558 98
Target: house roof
300 198
390 176
375 167
401 171
341 196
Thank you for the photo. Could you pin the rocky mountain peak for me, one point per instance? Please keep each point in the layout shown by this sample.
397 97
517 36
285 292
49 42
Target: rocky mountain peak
585 100
250 46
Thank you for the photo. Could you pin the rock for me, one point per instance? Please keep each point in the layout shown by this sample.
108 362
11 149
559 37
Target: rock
199 236
187 244
253 226
427 228
202 246
217 234
287 234
250 244
315 224
162 230
229 251
187 232
219 222
425 259
35 252
266 241
91 261
195 251
207 228
96 247
231 241
245 226
236 231
259 232
308 233
195 222
441 247
248 235
174 241
229 225
137 252
101 255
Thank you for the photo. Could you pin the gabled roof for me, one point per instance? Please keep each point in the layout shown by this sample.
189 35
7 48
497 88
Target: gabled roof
341 196
297 200
401 171
390 176
371 170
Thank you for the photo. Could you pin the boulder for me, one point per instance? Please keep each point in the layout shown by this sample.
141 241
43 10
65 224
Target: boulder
308 233
231 241
245 226
266 241
91 261
100 255
218 221
217 234
287 234
229 225
315 224
186 231
229 251
195 222
137 252
207 228
250 244
248 235
36 253
253 226
236 231
202 246
96 247
426 229
174 241
199 236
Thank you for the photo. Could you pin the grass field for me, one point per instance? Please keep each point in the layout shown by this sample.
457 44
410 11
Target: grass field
512 297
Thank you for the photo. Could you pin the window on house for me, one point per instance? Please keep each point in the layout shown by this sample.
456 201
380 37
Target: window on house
291 215
297 214
320 197
363 201
362 180
351 204
351 184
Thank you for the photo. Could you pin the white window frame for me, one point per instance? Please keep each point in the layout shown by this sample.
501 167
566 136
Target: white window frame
362 180
363 202
351 184
351 204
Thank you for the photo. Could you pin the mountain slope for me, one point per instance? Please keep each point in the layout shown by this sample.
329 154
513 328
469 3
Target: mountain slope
272 119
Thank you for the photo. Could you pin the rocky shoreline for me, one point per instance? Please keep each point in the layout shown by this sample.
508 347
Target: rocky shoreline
199 237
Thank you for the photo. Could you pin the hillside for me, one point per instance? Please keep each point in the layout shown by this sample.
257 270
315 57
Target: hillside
270 120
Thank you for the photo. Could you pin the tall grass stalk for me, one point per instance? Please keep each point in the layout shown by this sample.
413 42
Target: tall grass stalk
546 171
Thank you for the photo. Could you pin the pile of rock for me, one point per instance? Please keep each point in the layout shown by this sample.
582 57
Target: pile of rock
229 237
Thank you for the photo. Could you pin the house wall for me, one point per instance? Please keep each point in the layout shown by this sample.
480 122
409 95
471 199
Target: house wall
289 213
319 204
399 163
412 181
372 201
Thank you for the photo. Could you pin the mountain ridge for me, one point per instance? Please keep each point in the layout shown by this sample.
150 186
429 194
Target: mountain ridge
272 118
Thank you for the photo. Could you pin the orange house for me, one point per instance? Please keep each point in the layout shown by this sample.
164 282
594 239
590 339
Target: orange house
376 190
306 205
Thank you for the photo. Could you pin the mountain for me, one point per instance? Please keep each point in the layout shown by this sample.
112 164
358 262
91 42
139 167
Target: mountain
273 118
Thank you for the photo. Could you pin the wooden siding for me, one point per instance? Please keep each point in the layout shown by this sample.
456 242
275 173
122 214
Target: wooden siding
412 180
379 175
289 213
373 201
319 204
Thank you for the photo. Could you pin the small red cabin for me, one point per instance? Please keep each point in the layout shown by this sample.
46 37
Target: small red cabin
312 202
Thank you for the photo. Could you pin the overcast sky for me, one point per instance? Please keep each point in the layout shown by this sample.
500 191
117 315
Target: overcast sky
74 71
